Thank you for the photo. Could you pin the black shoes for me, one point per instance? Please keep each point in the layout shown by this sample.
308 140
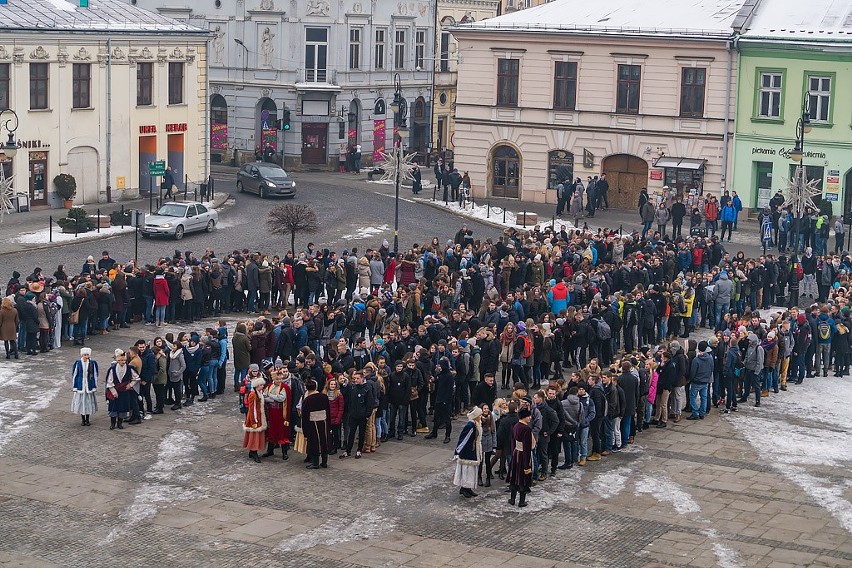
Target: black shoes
431 436
447 440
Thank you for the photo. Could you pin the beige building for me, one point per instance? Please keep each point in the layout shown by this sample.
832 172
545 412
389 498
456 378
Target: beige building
646 97
509 6
100 92
451 13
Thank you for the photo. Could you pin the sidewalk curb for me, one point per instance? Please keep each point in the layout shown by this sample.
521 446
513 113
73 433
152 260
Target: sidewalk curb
94 236
436 205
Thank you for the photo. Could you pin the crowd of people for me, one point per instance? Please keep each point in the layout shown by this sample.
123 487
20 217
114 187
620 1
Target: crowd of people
558 347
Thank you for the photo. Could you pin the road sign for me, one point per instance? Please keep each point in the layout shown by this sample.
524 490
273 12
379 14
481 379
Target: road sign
157 168
137 218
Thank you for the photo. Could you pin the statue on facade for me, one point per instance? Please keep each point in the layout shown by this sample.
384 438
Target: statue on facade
266 47
218 43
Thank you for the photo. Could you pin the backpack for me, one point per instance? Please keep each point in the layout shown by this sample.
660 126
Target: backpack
678 304
359 318
824 329
603 330
528 348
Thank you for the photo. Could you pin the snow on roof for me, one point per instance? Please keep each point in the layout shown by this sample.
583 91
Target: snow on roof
100 16
648 17
816 20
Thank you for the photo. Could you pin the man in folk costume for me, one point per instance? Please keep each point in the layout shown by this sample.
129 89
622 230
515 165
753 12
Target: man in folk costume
120 395
468 454
520 470
84 379
254 427
316 424
297 390
278 398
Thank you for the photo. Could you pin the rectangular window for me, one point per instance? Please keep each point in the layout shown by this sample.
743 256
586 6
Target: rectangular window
692 91
508 71
420 49
144 84
445 52
81 85
399 50
819 98
770 95
379 57
627 97
39 80
565 85
316 55
355 48
175 83
4 85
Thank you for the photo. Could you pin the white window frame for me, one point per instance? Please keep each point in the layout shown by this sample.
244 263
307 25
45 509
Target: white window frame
420 49
819 98
317 74
772 91
400 48
379 48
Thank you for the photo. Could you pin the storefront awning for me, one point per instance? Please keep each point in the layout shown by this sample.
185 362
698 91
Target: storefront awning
681 163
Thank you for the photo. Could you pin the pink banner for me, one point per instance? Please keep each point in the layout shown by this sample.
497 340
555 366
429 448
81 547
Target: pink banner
352 136
219 136
378 140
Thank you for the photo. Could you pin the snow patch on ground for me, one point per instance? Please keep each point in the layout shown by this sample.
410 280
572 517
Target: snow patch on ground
43 236
726 556
787 443
366 232
18 414
610 483
828 496
411 491
667 491
337 531
175 452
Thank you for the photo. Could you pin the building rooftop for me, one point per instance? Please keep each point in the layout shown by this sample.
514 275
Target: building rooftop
621 17
99 16
815 20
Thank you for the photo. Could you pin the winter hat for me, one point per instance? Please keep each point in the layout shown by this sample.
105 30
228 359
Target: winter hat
258 382
90 258
674 345
521 326
474 413
279 362
254 367
462 343
726 333
741 329
524 413
265 264
356 297
29 296
552 283
85 351
560 321
118 353
713 341
770 335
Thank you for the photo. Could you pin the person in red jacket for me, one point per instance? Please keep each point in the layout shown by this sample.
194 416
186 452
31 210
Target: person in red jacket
161 296
711 215
335 401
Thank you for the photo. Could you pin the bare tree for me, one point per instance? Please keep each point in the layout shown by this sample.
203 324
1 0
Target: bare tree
292 219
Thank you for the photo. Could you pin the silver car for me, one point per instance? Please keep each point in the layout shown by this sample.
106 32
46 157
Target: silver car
177 219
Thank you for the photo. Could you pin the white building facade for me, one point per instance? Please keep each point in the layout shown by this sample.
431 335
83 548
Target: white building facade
328 66
100 92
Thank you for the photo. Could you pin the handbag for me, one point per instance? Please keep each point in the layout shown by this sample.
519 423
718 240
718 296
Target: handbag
74 317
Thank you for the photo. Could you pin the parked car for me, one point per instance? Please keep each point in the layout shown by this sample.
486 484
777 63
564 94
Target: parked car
266 180
177 219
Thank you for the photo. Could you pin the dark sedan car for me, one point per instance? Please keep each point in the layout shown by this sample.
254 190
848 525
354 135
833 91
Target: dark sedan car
266 180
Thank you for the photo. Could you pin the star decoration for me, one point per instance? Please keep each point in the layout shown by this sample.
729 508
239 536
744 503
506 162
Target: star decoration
6 193
389 163
800 192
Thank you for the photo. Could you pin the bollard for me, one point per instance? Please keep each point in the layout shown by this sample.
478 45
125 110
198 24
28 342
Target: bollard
553 223
76 227
185 183
504 216
488 210
122 216
195 193
525 218
99 219
211 183
50 230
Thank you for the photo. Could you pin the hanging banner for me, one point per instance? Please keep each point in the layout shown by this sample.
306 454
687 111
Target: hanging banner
269 139
352 136
378 140
832 186
219 136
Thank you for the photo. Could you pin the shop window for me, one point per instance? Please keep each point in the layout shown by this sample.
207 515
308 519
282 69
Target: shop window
682 180
811 173
560 167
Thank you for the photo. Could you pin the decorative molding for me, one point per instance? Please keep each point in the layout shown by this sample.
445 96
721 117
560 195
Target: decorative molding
216 89
162 55
82 54
267 5
146 53
357 8
18 55
177 53
62 56
4 54
118 53
265 92
39 53
190 55
317 8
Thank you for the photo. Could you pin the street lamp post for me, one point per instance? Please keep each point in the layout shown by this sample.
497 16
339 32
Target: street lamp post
798 197
10 147
400 113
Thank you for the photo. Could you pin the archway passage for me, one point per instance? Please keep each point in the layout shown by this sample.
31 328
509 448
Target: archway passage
266 129
218 127
506 173
627 175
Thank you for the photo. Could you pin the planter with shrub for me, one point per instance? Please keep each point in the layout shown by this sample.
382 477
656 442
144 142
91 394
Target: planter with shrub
66 188
77 221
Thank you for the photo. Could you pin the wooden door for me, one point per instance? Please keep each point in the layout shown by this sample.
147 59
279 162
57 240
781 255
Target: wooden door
506 173
314 142
627 175
38 178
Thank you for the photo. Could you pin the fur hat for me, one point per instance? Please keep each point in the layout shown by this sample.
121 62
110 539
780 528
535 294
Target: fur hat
524 413
85 351
474 413
258 382
118 353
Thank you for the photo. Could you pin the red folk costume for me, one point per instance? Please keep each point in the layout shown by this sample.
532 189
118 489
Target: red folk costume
278 401
254 427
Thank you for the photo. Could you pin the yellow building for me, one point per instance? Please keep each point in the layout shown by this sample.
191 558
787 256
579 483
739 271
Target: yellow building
100 90
451 13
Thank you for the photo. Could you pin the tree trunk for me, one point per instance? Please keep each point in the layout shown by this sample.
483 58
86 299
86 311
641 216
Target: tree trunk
293 243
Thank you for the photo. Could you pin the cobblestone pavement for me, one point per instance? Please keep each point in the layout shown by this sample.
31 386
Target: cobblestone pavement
768 487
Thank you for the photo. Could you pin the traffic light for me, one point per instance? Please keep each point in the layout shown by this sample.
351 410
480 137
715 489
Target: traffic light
285 122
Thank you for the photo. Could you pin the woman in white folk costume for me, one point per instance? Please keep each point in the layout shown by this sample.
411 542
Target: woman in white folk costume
468 454
84 381
120 380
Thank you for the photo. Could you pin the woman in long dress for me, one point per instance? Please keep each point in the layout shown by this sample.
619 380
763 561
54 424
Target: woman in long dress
254 427
120 394
277 398
468 454
84 380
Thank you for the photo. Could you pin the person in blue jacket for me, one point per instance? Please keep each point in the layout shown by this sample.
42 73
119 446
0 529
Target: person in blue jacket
728 215
738 206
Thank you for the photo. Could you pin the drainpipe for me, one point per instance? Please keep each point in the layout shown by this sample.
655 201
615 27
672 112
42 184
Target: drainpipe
206 112
435 43
109 120
731 44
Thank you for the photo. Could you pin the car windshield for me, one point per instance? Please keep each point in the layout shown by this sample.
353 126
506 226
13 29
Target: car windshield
274 173
171 210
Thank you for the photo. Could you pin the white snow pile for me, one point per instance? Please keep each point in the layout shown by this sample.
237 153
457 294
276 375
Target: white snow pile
337 531
610 483
43 236
175 451
19 412
665 490
366 232
726 557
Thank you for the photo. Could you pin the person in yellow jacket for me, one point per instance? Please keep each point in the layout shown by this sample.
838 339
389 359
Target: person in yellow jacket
686 315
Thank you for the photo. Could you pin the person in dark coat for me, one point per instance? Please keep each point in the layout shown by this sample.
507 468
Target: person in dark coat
316 425
630 384
359 403
399 395
520 469
444 391
485 392
29 320
504 438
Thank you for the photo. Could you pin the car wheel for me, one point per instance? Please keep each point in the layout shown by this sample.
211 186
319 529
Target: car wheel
240 186
144 235
262 192
210 225
178 232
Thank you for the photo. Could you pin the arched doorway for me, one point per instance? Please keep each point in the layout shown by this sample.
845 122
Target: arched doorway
420 125
218 127
266 132
627 175
506 172
83 165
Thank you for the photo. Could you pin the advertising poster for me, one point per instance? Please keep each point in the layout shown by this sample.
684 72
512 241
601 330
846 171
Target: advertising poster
832 186
378 140
219 136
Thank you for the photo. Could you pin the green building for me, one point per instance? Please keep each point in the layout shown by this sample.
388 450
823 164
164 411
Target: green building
794 57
